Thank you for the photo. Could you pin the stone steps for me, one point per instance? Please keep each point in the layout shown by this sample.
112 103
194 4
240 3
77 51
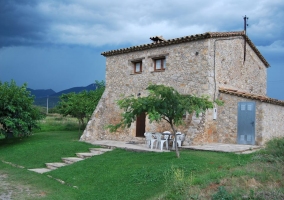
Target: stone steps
40 170
88 155
55 165
100 149
71 160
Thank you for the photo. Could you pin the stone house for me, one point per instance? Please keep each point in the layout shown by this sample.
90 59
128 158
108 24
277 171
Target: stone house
224 65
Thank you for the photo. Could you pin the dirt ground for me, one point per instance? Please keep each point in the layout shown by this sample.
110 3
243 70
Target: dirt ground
11 190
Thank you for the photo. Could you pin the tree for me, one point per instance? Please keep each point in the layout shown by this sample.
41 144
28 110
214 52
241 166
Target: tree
18 116
82 104
162 103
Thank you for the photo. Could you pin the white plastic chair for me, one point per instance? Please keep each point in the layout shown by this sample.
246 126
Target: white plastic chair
170 138
180 138
161 140
169 133
149 139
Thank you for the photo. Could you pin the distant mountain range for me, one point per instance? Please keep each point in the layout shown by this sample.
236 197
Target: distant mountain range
50 97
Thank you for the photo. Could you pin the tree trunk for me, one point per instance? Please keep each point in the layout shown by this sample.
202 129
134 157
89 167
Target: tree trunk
79 132
175 135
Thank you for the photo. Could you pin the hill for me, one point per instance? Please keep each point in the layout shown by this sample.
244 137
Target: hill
41 93
75 89
42 97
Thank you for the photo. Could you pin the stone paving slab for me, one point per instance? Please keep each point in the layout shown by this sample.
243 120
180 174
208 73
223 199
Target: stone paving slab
70 160
40 170
88 155
218 147
55 165
125 145
102 150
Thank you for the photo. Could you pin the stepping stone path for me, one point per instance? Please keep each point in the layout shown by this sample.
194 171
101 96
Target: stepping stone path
71 160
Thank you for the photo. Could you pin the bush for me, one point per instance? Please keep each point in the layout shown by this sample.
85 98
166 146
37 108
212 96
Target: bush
18 116
222 194
275 147
273 152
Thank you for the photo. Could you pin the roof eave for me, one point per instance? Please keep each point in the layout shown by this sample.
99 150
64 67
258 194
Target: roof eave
251 96
187 39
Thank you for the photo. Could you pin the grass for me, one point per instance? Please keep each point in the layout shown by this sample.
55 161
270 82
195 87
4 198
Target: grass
122 174
56 122
34 151
119 174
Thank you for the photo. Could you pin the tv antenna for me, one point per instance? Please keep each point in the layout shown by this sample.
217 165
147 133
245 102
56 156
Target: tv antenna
245 23
245 29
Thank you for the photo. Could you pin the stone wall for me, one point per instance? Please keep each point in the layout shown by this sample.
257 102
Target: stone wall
227 60
272 122
268 122
187 70
190 69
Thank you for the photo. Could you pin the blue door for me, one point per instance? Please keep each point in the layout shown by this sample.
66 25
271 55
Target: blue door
246 123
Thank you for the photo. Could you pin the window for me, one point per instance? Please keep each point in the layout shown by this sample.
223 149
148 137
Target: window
137 67
160 64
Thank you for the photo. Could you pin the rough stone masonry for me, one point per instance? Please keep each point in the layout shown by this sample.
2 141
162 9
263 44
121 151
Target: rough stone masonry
200 65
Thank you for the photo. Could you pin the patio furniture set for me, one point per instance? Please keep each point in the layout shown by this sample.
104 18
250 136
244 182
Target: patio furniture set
166 138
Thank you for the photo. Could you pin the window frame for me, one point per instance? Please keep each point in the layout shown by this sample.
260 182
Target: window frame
134 66
163 62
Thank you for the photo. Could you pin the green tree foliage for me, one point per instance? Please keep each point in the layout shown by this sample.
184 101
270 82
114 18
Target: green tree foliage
81 105
162 103
18 116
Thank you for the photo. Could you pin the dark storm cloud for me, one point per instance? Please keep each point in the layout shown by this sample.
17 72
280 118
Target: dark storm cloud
40 27
94 22
20 23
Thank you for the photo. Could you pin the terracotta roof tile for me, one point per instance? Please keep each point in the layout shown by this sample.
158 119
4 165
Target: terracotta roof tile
186 39
251 96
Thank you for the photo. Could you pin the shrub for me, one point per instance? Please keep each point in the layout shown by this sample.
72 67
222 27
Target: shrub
273 152
222 194
18 116
275 147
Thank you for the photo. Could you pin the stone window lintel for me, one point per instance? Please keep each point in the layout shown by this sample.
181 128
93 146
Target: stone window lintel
137 60
158 56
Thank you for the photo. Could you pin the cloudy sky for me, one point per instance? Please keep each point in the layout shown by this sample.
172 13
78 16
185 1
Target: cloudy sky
56 44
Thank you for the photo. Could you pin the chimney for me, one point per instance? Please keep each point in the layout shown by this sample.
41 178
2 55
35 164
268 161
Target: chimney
157 39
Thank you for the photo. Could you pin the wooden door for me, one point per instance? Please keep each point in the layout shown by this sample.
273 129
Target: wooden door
140 125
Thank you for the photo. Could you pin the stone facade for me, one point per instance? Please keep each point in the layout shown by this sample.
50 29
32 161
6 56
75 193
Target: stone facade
272 119
231 69
197 65
268 120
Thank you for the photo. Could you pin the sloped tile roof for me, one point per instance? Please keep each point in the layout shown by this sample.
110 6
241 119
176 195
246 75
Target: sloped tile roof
251 96
187 39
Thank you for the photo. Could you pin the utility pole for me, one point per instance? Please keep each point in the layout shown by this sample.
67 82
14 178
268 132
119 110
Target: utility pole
47 105
245 29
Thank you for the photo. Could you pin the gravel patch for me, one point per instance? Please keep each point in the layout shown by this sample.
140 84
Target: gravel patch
13 190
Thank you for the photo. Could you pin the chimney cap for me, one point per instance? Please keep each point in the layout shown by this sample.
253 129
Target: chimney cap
157 39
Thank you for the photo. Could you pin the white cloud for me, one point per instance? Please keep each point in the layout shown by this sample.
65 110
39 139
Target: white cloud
115 22
274 52
98 23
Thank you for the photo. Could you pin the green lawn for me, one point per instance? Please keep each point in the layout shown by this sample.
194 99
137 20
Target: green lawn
121 174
